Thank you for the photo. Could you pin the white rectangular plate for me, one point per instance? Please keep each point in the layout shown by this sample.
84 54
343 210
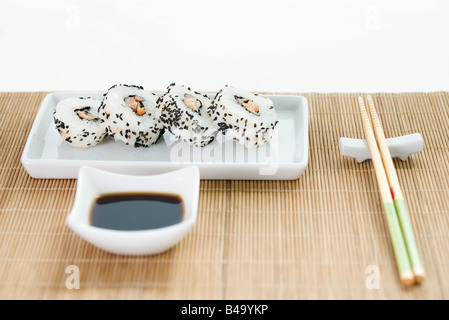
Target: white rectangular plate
285 157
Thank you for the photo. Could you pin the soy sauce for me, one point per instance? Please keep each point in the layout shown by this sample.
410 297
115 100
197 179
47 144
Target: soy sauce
136 211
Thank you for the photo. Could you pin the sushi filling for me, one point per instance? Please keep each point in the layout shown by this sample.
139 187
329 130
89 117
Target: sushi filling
248 105
84 114
192 102
135 103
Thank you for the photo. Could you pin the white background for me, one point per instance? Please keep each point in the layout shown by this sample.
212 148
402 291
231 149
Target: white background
277 45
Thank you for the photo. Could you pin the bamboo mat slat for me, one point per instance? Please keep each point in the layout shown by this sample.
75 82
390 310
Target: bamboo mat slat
311 238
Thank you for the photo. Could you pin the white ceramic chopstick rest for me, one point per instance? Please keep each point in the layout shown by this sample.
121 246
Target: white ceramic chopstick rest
400 147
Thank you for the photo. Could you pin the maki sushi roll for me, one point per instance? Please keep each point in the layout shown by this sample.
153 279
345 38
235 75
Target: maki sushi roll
184 113
77 121
248 118
128 114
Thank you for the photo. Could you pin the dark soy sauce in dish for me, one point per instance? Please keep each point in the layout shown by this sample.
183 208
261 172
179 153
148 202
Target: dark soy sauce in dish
136 211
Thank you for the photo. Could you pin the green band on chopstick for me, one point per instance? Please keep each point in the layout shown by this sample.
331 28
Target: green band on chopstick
407 232
400 250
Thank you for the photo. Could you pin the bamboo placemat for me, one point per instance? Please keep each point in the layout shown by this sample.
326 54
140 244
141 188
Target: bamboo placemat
312 238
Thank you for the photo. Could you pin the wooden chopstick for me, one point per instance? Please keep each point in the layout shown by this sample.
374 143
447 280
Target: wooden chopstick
400 251
396 192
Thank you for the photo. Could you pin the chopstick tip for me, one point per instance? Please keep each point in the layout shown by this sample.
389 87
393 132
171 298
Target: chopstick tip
420 275
407 278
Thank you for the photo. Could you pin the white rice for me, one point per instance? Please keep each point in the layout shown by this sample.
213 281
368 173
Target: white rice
250 129
121 122
74 130
194 127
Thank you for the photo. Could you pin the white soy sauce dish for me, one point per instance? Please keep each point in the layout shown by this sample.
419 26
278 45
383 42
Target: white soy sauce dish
93 183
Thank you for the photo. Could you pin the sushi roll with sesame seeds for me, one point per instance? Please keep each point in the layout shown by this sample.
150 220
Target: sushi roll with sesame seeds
77 121
247 117
128 114
184 113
